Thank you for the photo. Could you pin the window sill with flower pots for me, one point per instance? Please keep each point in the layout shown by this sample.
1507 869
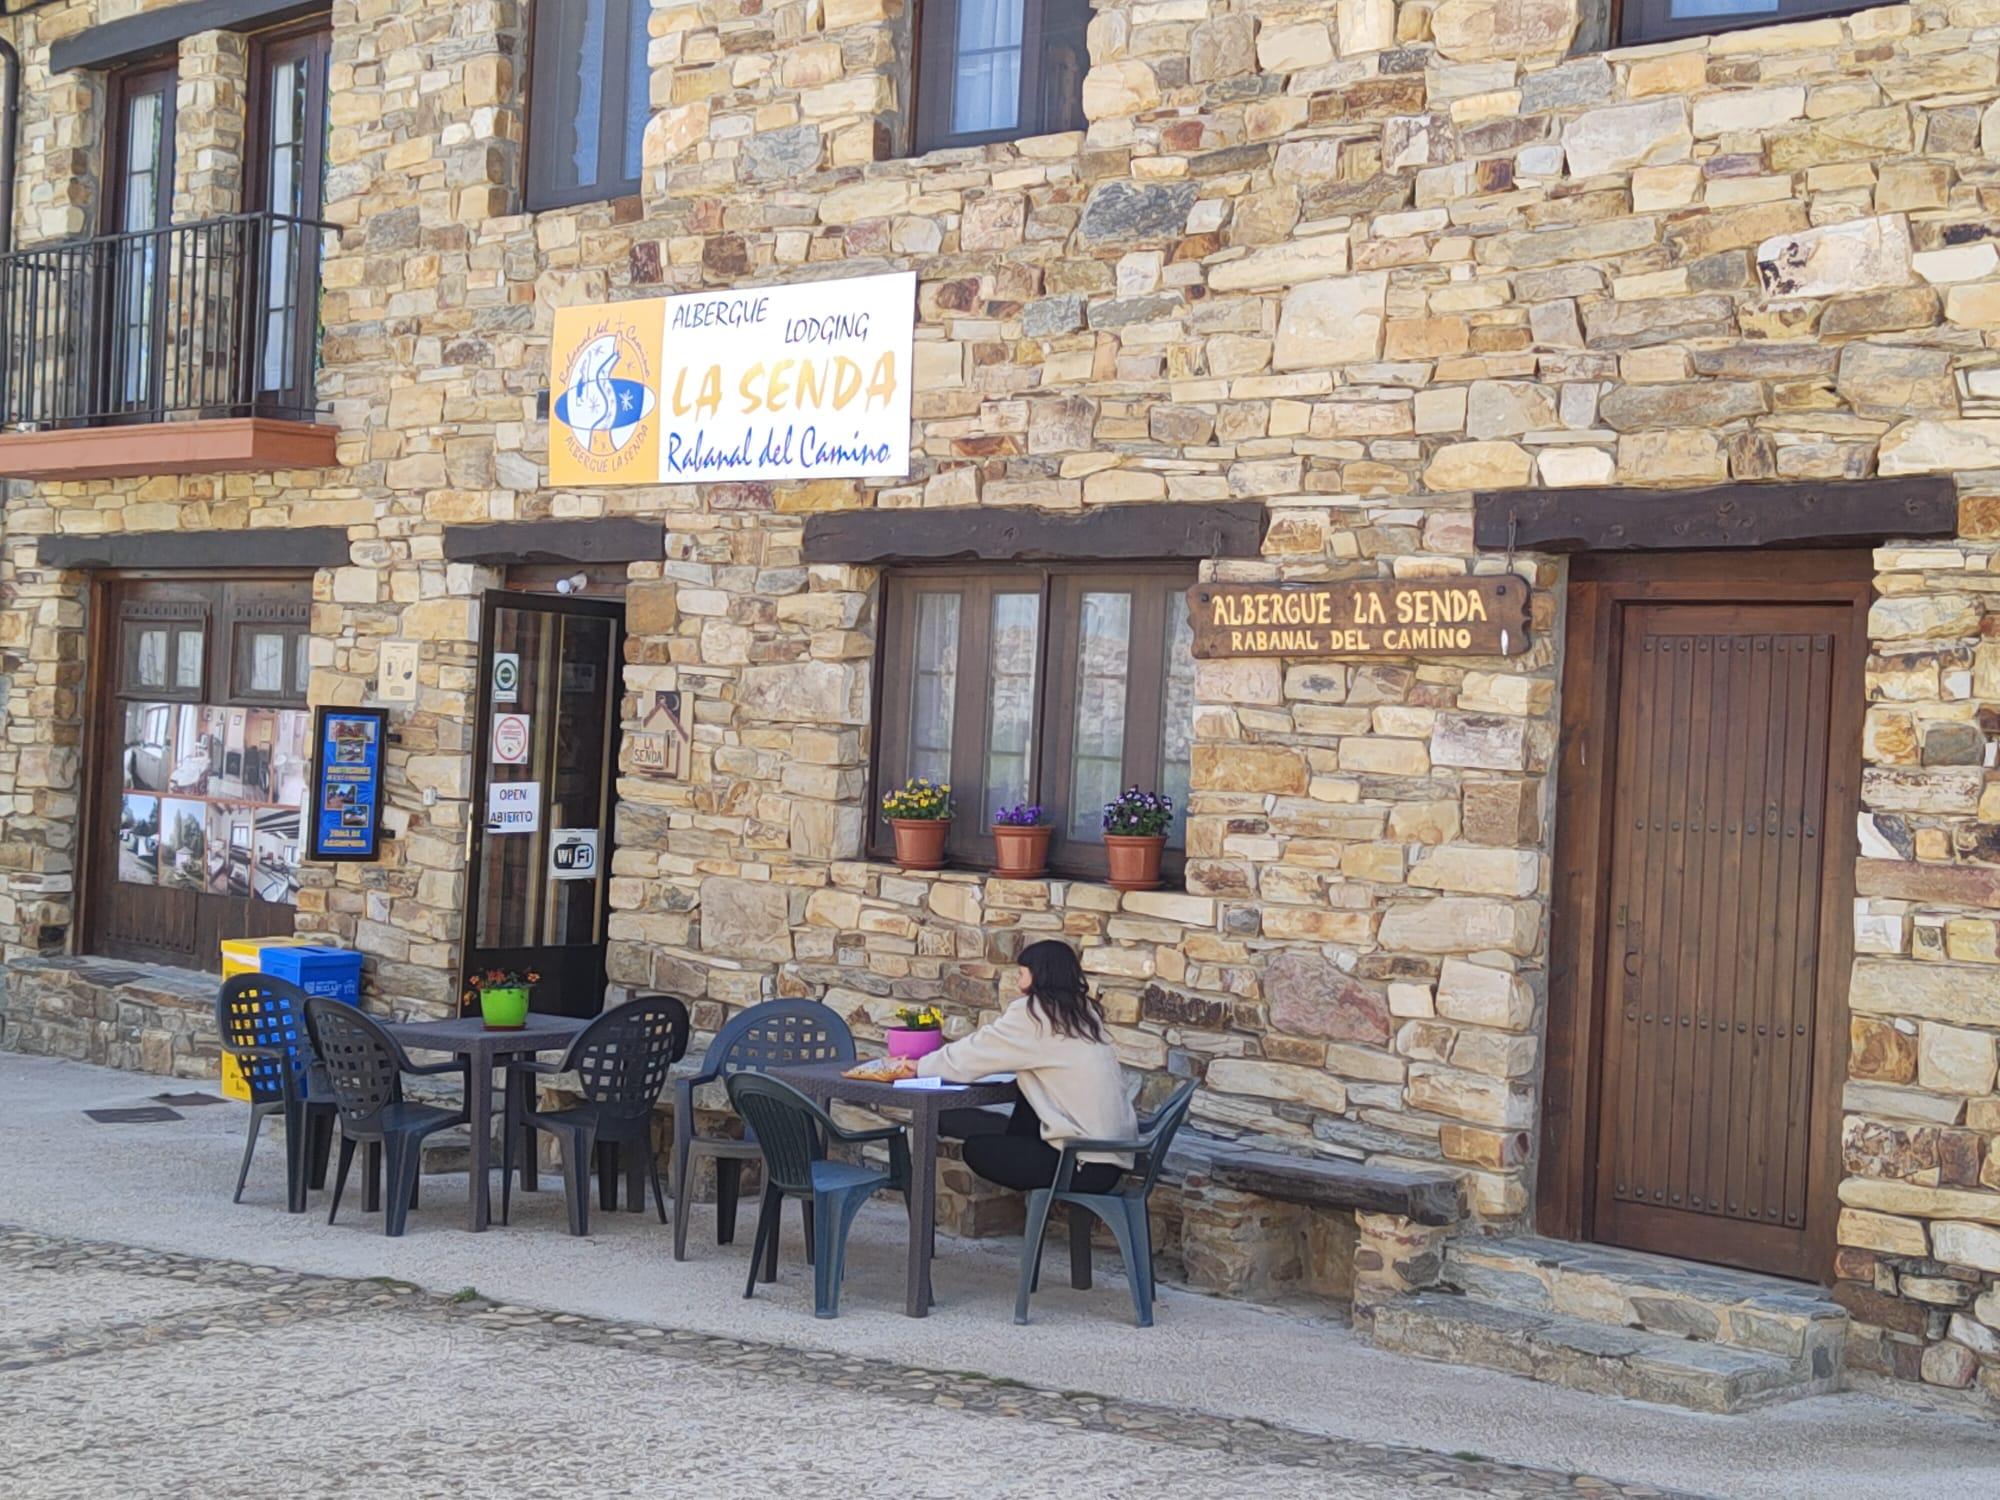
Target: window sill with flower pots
1136 824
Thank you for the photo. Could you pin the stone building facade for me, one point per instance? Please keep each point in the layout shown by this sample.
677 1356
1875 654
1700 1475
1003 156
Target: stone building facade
1354 263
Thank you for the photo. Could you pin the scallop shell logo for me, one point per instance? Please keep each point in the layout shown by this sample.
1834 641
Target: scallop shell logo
602 405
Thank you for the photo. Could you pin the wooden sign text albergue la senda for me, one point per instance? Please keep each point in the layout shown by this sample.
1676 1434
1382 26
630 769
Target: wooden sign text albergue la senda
1374 617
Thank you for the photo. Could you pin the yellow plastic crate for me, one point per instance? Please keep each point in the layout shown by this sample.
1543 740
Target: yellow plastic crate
246 956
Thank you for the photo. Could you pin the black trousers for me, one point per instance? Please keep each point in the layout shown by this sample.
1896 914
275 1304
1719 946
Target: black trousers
1022 1160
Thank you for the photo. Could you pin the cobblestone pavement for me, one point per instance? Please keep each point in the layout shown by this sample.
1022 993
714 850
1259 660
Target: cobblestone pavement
135 1372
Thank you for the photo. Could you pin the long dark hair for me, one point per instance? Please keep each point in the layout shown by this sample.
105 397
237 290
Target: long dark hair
1056 991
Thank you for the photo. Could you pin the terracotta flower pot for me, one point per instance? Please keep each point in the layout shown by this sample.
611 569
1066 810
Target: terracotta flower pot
504 1007
906 1041
1020 851
920 842
1135 861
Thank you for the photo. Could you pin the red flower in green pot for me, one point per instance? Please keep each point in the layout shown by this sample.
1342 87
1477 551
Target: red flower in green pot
503 996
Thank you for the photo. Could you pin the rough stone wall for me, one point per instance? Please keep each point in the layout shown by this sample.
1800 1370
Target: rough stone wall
1354 260
1359 265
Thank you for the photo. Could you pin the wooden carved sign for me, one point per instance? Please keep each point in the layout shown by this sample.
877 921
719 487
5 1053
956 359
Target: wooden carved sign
1376 617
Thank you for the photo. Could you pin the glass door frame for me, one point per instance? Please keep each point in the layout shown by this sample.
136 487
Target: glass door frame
559 974
310 43
132 267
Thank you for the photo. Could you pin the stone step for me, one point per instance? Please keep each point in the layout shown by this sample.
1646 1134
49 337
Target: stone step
1652 1293
1593 1357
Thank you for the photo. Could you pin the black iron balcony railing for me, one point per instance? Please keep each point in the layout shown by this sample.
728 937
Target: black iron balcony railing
218 318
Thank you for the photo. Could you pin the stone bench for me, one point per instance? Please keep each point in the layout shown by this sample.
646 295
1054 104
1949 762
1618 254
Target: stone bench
1261 1223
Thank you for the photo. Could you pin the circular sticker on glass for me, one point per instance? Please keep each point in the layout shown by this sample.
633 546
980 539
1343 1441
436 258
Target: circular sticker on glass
510 739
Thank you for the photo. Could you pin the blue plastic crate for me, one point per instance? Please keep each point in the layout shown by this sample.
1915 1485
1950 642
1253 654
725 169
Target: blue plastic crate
333 972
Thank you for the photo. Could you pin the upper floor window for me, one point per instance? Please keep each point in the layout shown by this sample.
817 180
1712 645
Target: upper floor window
1663 20
1053 685
998 70
589 92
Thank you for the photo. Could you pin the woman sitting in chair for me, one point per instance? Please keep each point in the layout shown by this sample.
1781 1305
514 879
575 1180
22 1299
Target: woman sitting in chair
1052 1040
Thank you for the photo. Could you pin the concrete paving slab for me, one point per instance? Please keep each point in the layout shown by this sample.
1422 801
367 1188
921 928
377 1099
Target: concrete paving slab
168 1186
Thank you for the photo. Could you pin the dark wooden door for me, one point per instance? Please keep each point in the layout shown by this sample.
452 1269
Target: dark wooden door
1720 918
539 893
199 750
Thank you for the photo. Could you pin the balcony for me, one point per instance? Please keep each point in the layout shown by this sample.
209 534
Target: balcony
183 350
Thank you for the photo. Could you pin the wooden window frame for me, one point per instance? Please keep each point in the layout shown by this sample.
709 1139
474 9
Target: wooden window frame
540 191
312 41
258 615
161 75
1060 587
936 53
1639 22
178 617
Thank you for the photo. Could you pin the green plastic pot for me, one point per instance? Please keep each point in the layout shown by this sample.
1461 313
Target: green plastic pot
504 1008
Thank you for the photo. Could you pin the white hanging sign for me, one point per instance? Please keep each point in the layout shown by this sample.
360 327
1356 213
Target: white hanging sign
513 806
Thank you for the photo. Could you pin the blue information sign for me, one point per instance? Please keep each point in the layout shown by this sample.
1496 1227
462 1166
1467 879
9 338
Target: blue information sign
347 783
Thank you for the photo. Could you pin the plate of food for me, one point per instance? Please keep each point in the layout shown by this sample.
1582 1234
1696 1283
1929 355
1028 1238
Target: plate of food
879 1070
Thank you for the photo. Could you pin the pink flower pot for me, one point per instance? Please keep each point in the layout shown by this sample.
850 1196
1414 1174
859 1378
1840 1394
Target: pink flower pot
906 1043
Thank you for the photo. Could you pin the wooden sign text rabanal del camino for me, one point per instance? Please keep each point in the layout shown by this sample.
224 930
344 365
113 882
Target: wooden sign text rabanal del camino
1378 617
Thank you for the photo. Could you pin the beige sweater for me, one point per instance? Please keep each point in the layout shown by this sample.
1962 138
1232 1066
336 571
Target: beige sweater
1075 1085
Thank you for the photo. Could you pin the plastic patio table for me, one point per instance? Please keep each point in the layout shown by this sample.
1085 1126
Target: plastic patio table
483 1051
823 1083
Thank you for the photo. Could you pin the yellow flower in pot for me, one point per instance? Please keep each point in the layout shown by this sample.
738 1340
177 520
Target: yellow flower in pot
920 815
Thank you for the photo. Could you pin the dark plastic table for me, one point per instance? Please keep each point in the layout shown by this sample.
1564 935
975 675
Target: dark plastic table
484 1050
823 1083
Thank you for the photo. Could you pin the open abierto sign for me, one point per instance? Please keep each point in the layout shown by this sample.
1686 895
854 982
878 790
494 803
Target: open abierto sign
1372 617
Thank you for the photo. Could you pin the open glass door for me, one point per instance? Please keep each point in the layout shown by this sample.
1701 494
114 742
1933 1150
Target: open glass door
547 737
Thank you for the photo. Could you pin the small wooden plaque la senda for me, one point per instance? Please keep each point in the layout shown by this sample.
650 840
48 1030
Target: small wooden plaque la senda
1373 617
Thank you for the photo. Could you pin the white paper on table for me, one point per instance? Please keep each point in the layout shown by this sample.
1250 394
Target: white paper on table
926 1083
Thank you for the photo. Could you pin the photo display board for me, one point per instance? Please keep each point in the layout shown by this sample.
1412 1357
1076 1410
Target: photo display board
211 797
347 783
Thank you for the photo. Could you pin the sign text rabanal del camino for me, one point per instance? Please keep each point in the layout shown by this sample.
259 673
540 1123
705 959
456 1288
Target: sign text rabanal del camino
1387 617
810 381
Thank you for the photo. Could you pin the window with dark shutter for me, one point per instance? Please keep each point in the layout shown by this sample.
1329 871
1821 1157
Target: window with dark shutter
589 93
1665 20
999 70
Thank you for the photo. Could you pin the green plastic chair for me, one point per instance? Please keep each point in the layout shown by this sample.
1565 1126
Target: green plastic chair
1124 1212
792 1132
